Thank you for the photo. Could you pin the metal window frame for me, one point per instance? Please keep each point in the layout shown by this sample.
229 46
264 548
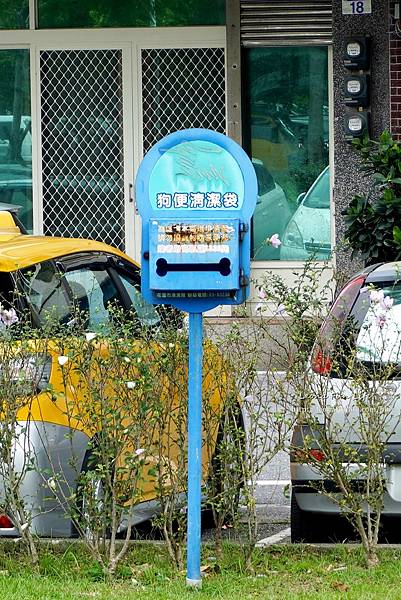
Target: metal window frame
189 38
234 86
33 14
125 54
133 40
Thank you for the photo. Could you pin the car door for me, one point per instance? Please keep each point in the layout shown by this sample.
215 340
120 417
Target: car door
170 370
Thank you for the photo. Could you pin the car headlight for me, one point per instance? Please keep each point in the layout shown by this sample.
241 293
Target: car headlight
293 236
29 373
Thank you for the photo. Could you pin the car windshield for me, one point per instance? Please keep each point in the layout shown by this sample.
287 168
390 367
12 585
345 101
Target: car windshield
265 180
55 295
319 194
379 336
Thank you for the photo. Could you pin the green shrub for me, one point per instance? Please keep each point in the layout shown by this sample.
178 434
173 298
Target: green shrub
372 220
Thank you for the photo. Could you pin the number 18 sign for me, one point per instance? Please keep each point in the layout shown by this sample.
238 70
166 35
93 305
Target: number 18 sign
357 7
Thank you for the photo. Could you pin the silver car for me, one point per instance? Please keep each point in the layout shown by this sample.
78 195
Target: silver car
307 234
271 215
367 318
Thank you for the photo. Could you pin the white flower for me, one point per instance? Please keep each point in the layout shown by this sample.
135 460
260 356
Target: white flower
127 359
139 451
171 345
139 360
8 317
259 307
52 483
281 309
130 385
62 360
275 241
90 336
378 297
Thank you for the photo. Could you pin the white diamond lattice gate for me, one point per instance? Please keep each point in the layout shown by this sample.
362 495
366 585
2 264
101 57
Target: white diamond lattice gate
81 95
182 88
82 144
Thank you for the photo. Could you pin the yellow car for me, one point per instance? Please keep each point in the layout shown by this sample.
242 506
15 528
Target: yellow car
93 276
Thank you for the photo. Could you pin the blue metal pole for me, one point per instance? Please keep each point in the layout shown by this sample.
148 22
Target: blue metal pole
194 449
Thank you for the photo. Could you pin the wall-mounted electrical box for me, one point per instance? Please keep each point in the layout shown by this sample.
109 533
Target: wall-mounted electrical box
357 53
356 88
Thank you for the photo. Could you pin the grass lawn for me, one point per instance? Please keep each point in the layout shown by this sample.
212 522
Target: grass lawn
67 571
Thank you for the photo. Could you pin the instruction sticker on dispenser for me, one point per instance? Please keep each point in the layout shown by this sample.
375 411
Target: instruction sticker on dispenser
194 255
186 238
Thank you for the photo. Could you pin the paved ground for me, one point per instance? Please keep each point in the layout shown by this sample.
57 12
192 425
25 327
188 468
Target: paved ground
272 493
272 504
273 485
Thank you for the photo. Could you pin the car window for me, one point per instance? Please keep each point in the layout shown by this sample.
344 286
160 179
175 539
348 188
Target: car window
6 123
145 312
8 294
55 292
319 194
8 299
54 295
46 293
379 336
94 292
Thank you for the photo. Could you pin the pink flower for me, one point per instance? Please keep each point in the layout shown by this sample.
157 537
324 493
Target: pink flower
262 294
275 241
381 320
376 296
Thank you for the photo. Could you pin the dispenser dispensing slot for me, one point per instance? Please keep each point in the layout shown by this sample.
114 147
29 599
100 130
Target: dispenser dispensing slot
163 267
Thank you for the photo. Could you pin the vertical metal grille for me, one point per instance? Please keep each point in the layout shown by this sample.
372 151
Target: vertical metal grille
82 144
278 22
181 88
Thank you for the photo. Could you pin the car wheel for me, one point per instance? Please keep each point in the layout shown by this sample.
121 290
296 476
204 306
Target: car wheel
314 527
88 506
89 501
305 526
299 527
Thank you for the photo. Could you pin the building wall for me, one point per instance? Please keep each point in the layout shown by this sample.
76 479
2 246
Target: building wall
348 180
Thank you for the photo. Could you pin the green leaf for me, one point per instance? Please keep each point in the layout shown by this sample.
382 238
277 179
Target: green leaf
397 235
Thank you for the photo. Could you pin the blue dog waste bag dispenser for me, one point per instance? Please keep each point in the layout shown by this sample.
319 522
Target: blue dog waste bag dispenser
196 192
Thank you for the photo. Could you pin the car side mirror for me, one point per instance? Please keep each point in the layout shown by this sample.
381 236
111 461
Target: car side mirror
300 198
